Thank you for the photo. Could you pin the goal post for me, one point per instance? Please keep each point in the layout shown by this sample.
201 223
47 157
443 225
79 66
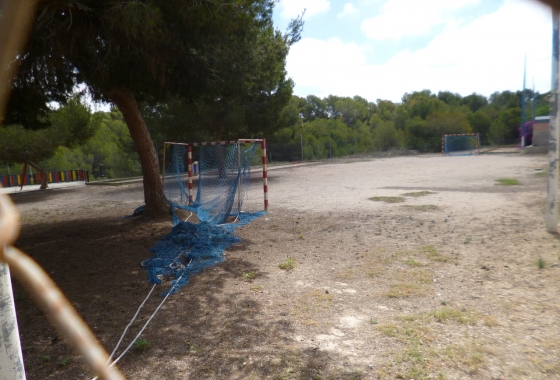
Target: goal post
224 173
464 144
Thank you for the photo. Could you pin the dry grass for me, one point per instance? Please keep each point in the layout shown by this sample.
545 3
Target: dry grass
387 199
508 182
423 207
419 357
310 304
446 314
471 356
490 321
410 283
418 193
433 254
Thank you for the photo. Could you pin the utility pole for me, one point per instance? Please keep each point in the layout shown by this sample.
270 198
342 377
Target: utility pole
523 105
534 100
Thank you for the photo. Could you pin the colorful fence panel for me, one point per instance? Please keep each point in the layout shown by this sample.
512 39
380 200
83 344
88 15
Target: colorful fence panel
54 177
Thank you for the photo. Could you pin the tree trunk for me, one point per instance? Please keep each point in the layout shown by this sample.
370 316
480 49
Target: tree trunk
44 175
154 196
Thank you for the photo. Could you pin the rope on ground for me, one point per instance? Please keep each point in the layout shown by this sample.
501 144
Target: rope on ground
130 324
145 325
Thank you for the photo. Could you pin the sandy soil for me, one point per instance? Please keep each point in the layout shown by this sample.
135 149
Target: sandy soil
444 283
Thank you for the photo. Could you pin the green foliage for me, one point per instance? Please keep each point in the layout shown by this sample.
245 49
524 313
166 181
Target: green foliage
111 146
387 199
418 193
508 182
337 126
69 126
288 264
386 136
497 132
142 345
249 276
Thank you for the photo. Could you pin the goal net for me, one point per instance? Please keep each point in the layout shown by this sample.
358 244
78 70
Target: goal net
460 144
223 177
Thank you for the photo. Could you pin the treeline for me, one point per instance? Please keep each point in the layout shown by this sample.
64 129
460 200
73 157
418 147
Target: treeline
108 142
311 127
339 126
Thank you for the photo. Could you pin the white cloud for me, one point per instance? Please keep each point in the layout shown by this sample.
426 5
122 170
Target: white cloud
400 18
326 65
290 9
349 10
483 56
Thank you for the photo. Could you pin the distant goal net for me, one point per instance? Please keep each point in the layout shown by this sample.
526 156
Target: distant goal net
222 172
460 144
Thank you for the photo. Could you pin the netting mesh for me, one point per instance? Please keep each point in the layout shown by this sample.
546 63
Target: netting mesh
460 145
224 179
189 249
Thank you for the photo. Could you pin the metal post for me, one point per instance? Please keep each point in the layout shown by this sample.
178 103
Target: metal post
330 150
265 175
551 215
11 360
301 143
534 103
189 157
239 176
523 105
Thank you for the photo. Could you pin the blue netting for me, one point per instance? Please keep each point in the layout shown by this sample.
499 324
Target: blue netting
460 145
223 180
190 248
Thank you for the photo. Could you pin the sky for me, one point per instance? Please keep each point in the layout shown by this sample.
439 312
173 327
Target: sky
382 49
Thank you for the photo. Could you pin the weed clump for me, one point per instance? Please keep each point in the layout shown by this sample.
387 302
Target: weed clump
418 193
387 199
508 182
288 264
142 345
249 276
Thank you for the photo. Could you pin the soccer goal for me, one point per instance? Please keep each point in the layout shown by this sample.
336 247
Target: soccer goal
223 178
465 144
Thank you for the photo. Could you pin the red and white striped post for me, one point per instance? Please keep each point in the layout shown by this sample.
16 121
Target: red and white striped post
189 158
265 175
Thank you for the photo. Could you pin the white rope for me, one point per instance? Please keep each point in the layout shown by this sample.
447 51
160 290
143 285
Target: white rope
130 324
145 325
188 217
147 322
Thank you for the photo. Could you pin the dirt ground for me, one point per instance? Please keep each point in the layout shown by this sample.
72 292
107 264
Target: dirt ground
440 280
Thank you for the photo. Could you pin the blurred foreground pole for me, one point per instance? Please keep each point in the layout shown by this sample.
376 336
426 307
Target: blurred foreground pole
11 360
551 215
16 17
14 27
